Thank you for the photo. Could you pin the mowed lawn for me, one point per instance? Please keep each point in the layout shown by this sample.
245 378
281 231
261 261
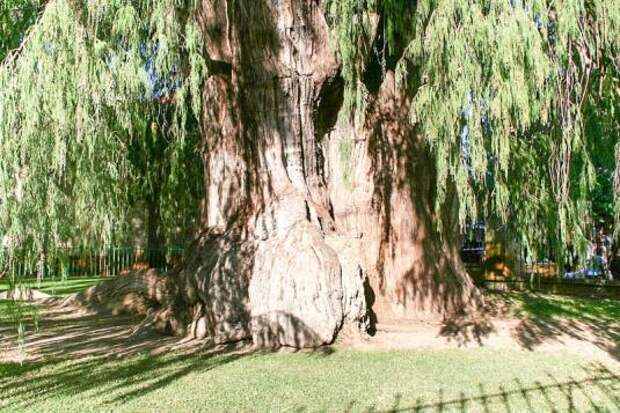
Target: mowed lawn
472 379
477 380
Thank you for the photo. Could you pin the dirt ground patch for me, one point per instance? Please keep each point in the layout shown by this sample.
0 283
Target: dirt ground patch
510 334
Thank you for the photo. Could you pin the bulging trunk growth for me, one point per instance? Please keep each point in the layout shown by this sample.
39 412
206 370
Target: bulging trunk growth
311 223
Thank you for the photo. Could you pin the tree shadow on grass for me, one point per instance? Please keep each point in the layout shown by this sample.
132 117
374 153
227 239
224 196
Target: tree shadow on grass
554 395
67 334
98 355
605 335
103 378
546 317
73 353
542 318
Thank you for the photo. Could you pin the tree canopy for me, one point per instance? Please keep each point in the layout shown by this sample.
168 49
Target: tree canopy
504 93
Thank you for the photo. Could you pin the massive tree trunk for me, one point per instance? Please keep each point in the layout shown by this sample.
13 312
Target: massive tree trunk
310 223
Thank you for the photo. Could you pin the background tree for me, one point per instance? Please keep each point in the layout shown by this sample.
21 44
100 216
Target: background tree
344 143
167 203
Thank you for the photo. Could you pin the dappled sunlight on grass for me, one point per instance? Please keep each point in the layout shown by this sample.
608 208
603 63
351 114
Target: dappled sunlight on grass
546 318
535 305
13 312
57 287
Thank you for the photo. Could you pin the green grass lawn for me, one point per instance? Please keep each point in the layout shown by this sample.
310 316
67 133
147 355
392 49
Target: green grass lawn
477 380
473 379
57 287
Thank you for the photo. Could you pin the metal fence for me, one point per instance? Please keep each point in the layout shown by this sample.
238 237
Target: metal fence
544 277
580 288
80 262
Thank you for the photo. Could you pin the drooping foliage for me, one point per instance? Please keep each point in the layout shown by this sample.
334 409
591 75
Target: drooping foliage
602 126
73 105
500 92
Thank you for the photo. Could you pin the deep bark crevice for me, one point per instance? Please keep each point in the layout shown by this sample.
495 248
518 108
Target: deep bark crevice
328 106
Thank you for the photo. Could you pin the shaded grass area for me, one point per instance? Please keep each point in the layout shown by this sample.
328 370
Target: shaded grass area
473 380
57 287
12 312
547 317
549 306
24 317
543 318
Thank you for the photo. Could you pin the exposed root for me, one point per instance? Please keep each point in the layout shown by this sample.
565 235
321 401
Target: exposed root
146 293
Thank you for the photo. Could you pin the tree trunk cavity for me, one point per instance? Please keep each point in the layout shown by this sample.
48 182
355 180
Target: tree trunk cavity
299 240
